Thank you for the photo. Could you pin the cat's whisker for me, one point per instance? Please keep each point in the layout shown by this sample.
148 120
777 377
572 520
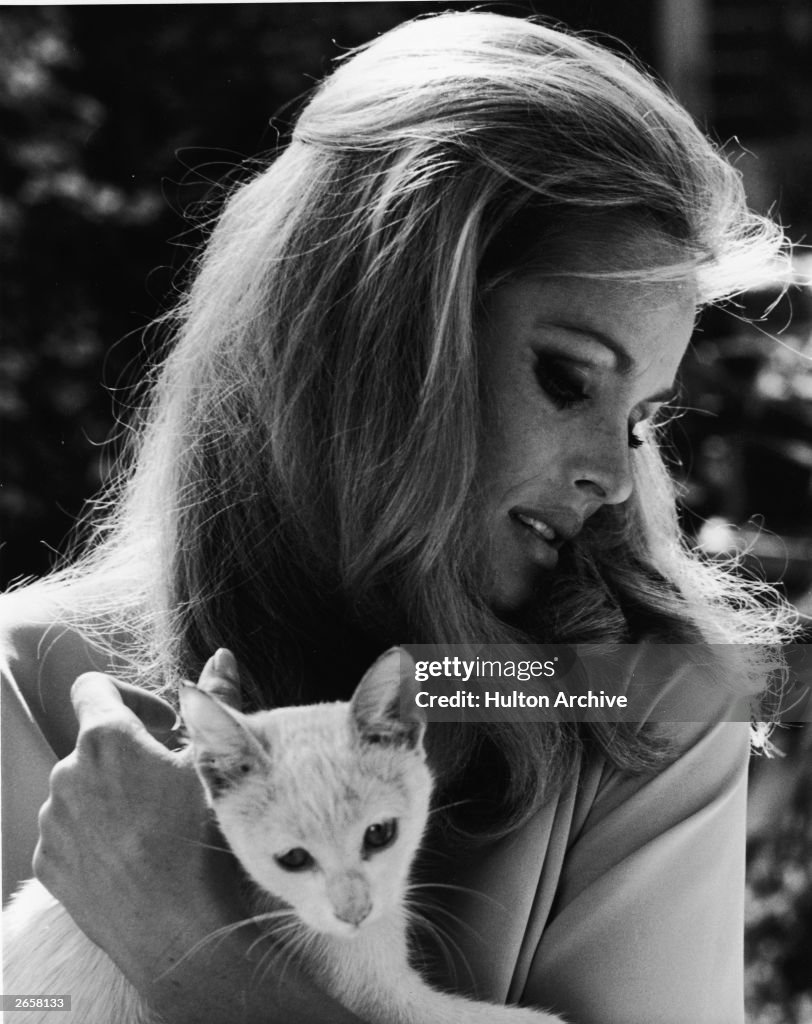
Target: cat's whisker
204 846
447 946
420 917
444 945
466 890
426 907
448 806
274 954
438 908
221 933
213 937
281 947
275 915
266 961
186 841
295 942
286 922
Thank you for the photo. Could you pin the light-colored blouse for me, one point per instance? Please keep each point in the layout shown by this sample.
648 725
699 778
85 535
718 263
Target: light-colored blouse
619 902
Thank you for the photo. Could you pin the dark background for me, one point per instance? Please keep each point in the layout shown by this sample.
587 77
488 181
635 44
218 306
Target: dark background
118 127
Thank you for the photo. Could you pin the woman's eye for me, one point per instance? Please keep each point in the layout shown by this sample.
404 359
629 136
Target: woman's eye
562 385
380 835
635 441
297 859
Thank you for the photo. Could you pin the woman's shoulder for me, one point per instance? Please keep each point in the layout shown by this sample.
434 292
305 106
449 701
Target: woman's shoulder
681 682
41 654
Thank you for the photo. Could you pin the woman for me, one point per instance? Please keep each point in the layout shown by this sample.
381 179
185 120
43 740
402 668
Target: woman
412 397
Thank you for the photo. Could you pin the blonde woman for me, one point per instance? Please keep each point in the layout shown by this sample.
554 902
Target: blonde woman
413 395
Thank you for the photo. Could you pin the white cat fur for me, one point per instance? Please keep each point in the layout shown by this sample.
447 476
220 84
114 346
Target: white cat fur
315 778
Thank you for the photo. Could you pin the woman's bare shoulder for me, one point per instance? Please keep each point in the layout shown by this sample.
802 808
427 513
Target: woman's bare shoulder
41 654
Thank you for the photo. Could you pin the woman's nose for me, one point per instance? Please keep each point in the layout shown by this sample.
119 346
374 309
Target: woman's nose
604 467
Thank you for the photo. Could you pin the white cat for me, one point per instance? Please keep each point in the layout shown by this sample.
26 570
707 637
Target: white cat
324 806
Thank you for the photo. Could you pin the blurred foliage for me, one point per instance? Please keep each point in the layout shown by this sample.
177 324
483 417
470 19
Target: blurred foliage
110 116
743 450
779 890
118 126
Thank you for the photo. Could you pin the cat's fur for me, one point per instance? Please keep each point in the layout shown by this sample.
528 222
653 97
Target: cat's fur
313 779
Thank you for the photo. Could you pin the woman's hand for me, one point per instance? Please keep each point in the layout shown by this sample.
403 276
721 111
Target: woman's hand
128 846
126 840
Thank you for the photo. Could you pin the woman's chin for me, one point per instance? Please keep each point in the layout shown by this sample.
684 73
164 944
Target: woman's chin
511 593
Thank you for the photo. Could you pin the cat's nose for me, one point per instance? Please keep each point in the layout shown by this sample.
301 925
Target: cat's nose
354 914
350 897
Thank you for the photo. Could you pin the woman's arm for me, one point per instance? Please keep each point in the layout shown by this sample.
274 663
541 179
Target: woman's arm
127 845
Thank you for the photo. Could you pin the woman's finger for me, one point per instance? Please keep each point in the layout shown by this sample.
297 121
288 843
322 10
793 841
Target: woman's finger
95 698
105 722
221 678
159 717
99 698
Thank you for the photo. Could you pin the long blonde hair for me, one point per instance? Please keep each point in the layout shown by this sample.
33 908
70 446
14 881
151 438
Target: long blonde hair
301 486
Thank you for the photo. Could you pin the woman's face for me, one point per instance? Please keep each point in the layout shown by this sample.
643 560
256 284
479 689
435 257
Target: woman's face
571 368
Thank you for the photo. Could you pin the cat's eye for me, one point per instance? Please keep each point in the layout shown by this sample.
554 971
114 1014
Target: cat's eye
380 835
297 859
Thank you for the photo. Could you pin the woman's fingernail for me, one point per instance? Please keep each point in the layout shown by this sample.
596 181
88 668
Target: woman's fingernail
225 664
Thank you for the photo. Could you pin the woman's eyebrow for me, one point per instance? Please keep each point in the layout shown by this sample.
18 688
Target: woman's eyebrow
625 363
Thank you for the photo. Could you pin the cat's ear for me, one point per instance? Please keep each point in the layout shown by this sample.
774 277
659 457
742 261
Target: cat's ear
225 751
383 706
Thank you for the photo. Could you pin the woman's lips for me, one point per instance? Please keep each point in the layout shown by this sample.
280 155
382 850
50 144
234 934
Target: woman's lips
539 526
538 539
544 532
